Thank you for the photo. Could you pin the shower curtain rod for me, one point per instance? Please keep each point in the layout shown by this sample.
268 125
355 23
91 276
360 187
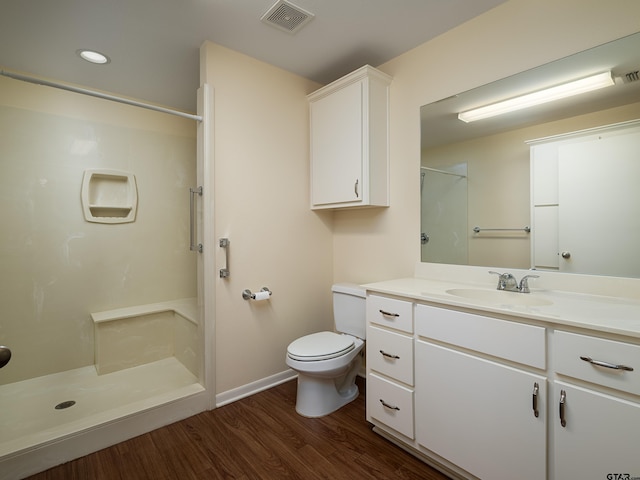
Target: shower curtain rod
443 171
104 96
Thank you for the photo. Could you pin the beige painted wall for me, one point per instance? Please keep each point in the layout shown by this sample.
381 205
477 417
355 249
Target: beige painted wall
520 34
261 162
58 268
261 158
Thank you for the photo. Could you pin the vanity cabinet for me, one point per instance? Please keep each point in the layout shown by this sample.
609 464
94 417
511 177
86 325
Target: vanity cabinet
350 141
390 374
483 394
479 404
596 428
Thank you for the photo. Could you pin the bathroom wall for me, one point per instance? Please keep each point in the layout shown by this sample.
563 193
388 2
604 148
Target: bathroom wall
262 171
261 175
379 244
56 267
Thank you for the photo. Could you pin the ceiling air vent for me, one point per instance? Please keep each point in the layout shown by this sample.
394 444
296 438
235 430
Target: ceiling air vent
286 16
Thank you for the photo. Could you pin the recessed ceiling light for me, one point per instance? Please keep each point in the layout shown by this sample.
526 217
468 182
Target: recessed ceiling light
93 56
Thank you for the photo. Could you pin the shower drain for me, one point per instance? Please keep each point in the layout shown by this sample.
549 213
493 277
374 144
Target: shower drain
67 404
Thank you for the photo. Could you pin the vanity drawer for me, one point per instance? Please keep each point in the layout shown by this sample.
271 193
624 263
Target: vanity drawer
391 404
390 312
525 344
390 353
569 347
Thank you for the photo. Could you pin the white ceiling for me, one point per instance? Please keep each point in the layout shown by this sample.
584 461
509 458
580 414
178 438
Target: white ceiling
154 44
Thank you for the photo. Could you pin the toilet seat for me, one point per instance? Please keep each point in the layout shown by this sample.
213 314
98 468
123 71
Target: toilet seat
320 346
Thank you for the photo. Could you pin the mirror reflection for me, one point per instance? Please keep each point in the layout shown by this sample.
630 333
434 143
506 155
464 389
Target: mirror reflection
479 204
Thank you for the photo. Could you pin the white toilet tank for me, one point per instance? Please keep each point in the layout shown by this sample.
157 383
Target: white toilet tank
349 309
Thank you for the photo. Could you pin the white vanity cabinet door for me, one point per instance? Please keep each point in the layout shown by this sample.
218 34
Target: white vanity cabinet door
479 415
349 121
601 437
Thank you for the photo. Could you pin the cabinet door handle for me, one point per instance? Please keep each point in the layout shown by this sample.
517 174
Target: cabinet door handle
395 357
563 399
389 314
390 407
355 188
600 363
536 388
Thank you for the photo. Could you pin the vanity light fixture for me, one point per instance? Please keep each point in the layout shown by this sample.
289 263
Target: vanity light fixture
93 56
575 87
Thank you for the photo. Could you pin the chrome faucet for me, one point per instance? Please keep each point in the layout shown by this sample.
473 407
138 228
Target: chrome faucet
508 282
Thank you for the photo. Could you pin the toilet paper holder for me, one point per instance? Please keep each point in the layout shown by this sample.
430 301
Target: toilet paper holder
247 295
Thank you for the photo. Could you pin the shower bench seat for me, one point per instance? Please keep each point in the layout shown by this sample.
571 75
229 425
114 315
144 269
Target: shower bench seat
140 334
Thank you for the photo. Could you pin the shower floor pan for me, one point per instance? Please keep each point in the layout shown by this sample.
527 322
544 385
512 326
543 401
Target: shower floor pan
28 413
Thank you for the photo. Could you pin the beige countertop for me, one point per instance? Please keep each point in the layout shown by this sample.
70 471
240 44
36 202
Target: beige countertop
616 315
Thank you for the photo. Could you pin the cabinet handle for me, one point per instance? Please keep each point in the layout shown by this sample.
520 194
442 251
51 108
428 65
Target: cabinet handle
355 188
390 407
536 388
395 357
563 399
600 363
389 314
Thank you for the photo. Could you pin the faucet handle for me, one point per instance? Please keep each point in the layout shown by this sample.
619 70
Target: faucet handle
500 282
506 281
524 283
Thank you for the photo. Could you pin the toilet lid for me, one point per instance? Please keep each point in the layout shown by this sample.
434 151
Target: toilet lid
320 346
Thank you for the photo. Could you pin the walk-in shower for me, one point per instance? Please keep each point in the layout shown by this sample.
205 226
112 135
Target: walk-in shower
443 218
102 318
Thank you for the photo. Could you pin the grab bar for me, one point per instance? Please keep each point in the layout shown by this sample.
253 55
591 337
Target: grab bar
224 243
527 229
192 219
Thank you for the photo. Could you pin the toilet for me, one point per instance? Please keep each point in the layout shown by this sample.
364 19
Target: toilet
327 362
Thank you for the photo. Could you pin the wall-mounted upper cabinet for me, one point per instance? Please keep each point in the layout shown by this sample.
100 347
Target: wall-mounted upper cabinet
350 141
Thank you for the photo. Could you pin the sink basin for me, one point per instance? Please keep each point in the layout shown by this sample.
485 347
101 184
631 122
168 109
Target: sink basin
500 297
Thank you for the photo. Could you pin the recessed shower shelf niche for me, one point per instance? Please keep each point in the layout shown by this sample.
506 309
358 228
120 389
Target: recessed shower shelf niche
109 196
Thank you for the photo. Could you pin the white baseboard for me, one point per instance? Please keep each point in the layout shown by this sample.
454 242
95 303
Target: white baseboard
254 387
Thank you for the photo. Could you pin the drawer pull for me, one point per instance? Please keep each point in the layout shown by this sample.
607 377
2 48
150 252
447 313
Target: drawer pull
390 407
536 388
389 355
388 314
563 399
600 363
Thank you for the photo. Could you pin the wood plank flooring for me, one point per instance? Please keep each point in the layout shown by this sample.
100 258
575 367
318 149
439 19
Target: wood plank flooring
259 437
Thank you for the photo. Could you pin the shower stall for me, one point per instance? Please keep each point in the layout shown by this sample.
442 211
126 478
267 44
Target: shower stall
103 312
443 214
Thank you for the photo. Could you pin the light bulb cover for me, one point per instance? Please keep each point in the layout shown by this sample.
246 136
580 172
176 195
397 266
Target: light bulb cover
93 56
564 90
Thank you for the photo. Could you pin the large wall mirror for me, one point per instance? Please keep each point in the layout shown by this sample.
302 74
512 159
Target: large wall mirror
475 178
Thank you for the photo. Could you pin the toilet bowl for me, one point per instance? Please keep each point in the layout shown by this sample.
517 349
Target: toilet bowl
327 363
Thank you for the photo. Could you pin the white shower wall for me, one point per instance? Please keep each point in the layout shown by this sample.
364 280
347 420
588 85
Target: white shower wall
57 268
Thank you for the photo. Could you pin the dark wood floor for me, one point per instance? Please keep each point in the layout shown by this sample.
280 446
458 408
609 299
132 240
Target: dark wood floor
259 437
